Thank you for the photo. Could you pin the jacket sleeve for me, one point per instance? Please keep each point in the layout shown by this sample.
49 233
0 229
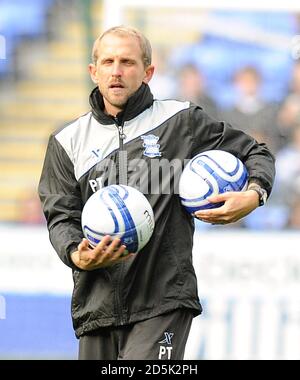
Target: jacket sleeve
60 195
208 133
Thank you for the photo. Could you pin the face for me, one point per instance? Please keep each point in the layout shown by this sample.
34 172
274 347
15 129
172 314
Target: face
247 83
119 71
191 83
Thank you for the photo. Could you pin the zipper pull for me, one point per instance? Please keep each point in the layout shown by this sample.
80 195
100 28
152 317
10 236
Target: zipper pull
121 133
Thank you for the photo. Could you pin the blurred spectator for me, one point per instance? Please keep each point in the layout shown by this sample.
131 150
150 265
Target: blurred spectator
191 86
288 168
295 80
163 83
283 208
294 219
289 118
289 114
250 112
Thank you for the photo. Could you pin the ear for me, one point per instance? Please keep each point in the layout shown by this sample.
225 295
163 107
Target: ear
93 72
148 74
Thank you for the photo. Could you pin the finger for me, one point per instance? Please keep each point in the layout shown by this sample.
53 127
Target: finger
220 197
83 245
102 245
127 256
215 216
213 220
119 253
212 213
113 257
113 246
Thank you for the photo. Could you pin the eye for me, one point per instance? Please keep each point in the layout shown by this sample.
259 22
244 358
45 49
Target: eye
128 62
107 62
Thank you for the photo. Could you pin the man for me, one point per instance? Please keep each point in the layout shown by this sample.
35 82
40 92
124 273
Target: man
139 306
192 87
250 111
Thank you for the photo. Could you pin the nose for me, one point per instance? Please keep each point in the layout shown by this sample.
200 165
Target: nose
116 70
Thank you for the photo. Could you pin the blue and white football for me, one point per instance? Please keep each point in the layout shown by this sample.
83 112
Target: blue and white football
210 173
119 211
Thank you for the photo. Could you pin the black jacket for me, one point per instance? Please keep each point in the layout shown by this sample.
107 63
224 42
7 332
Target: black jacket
90 152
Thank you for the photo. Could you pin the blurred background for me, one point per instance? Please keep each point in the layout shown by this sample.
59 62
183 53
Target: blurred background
241 63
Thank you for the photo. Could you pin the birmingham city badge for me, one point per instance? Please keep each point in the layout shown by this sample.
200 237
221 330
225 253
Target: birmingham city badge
151 146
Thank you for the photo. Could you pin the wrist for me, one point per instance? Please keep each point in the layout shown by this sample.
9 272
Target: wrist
262 194
255 196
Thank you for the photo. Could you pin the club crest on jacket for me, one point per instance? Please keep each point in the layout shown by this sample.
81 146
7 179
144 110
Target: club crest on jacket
151 146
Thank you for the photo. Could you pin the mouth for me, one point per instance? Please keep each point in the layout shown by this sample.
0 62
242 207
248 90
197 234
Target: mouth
116 85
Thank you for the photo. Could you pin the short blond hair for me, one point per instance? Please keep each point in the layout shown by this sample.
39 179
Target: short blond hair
126 31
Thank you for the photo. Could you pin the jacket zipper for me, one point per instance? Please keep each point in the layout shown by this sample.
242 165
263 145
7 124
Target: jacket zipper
122 157
122 171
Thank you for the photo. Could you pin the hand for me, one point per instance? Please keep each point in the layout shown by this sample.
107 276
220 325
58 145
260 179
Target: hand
106 253
236 206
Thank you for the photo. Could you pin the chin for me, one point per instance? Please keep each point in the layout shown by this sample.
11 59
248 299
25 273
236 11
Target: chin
119 102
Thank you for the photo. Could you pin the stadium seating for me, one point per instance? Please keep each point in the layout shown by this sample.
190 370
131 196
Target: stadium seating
219 57
19 19
52 90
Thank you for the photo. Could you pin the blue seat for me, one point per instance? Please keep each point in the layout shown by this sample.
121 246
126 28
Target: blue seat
19 19
23 17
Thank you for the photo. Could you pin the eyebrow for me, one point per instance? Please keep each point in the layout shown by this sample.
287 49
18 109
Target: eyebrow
108 58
